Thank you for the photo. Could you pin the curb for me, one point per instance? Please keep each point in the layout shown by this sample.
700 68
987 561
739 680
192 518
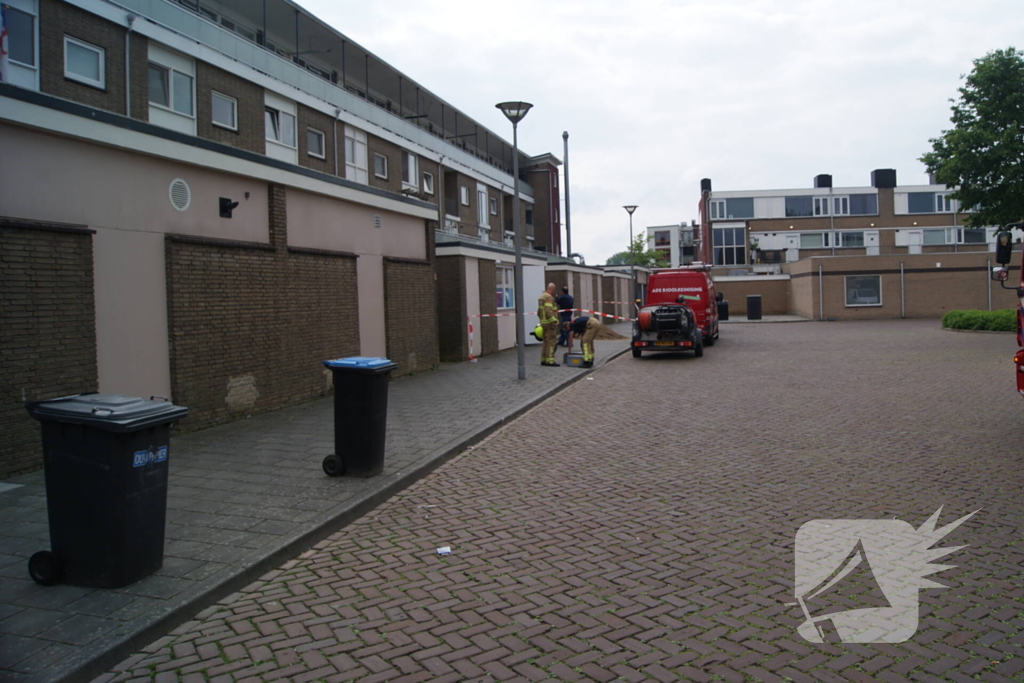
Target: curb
950 329
233 581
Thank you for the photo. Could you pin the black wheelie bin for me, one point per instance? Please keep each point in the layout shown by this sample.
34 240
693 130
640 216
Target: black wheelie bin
105 459
360 415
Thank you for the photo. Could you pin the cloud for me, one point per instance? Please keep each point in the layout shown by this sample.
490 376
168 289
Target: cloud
755 94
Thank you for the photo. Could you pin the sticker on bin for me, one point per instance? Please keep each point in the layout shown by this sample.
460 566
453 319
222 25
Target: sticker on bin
149 456
357 362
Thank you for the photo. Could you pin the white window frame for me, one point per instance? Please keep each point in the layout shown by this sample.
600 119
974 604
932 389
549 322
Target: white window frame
841 239
277 116
846 290
34 16
356 166
323 143
717 209
826 242
494 206
841 205
428 182
410 170
943 203
100 52
483 216
234 110
171 72
464 195
383 158
504 277
821 205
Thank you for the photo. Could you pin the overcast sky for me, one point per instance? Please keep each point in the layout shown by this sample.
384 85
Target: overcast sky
754 94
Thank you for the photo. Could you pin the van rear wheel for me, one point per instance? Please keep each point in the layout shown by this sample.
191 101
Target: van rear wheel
698 345
709 340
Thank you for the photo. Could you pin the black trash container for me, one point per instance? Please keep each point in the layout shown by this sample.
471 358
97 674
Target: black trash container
753 307
723 310
360 415
105 459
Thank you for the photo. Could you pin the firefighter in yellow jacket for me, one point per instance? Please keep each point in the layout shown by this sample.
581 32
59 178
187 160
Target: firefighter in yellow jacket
587 328
547 312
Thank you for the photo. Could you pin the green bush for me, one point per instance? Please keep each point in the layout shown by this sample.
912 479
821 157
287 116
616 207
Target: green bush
997 321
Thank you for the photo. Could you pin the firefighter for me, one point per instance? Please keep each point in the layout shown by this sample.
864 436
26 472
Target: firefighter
547 312
587 328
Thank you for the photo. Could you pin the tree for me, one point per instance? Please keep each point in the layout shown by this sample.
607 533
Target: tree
983 154
639 255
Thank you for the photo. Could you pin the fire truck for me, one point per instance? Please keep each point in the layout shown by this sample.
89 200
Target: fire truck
1001 273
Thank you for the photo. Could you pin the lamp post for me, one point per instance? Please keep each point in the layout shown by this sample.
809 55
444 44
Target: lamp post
632 257
514 112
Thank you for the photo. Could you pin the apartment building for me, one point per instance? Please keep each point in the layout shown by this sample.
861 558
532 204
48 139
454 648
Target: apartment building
678 244
878 250
202 200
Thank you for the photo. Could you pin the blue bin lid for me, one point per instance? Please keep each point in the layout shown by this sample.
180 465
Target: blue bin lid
359 362
109 412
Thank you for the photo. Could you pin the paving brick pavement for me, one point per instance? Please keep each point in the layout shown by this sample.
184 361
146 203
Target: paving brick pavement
655 541
243 498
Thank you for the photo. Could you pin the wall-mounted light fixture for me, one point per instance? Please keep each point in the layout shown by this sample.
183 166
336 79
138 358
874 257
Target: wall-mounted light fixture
226 207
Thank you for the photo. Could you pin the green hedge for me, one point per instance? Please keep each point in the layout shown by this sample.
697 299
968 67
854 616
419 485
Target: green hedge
998 321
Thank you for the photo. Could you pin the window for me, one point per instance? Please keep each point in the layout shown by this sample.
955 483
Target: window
481 207
799 206
280 126
938 237
717 209
464 195
529 216
84 62
505 292
920 202
730 246
225 111
315 143
840 206
663 238
814 240
170 88
821 206
21 38
863 290
863 204
851 239
410 169
943 203
380 166
428 183
972 236
494 206
355 155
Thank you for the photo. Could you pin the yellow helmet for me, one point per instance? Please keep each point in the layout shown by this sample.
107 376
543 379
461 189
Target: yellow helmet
538 333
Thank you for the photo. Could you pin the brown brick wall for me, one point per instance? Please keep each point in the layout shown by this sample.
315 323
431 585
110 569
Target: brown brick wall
453 343
393 153
48 333
250 325
251 133
488 304
310 118
57 19
410 309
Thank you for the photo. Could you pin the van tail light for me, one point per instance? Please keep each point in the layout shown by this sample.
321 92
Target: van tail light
1018 357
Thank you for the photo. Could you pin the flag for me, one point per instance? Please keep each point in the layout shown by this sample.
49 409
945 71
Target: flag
4 62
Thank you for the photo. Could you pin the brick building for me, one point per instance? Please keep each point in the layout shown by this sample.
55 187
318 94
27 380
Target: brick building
205 200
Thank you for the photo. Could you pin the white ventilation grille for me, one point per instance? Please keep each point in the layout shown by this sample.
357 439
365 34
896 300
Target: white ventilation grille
376 221
180 195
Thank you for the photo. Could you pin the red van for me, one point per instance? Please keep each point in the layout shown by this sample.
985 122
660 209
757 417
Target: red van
697 289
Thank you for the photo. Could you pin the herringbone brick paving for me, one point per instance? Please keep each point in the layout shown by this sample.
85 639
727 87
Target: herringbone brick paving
640 526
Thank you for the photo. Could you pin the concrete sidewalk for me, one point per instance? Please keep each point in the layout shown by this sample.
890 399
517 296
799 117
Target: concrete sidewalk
243 498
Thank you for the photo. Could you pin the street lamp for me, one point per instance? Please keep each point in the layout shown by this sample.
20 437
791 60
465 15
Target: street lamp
514 112
632 257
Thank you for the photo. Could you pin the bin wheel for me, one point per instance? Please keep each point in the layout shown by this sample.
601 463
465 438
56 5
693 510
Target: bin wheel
334 466
44 568
636 352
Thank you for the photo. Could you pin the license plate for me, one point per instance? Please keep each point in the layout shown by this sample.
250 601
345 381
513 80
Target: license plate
664 343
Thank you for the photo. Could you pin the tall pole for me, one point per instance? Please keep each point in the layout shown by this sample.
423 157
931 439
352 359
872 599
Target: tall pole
632 257
518 230
565 184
